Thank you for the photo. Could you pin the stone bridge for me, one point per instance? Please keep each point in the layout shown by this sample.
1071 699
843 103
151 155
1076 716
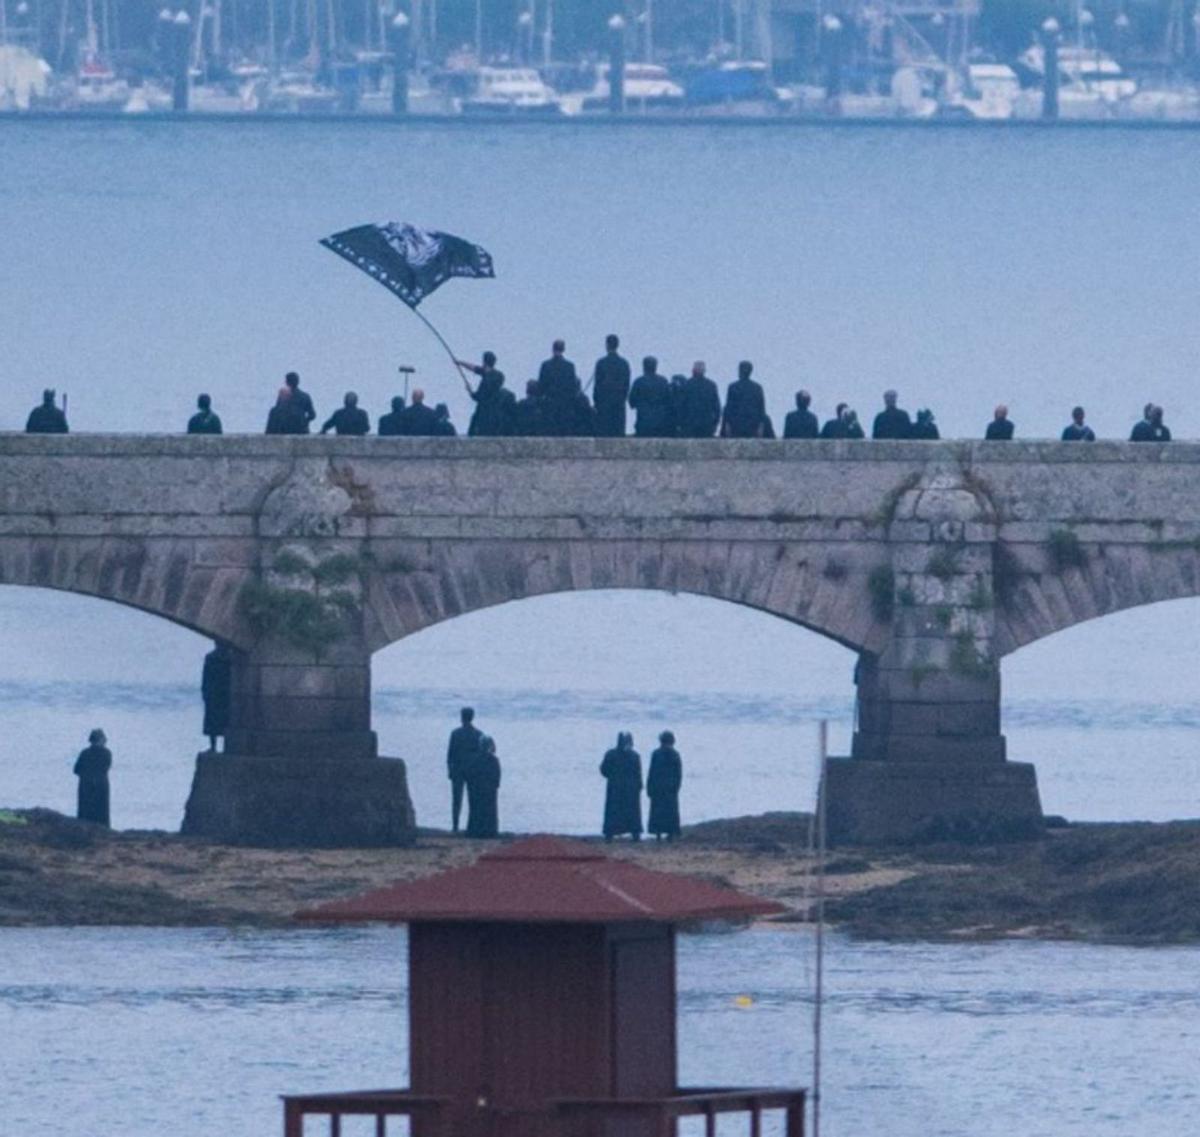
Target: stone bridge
306 555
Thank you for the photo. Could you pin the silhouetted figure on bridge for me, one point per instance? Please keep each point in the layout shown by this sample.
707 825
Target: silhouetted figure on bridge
835 427
216 689
529 419
417 420
663 780
349 418
483 791
699 413
493 402
925 428
650 398
47 418
610 390
205 420
1078 430
622 769
1151 428
391 424
464 745
745 406
801 423
301 405
1001 428
445 428
891 422
287 416
91 768
559 386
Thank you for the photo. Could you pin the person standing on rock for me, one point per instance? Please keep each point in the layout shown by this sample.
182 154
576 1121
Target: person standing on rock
662 788
91 768
464 745
216 689
483 790
622 769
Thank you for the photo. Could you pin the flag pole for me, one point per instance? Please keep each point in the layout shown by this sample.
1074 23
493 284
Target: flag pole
453 358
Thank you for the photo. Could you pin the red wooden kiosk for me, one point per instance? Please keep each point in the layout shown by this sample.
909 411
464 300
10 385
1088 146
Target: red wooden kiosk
542 1000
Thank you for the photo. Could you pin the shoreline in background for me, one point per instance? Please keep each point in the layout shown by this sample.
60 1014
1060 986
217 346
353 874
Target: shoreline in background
1129 882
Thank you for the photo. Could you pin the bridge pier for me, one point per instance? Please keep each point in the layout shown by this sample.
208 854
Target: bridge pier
301 765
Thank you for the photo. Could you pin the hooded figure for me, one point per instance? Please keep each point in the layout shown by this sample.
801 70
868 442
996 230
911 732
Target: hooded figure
91 768
662 788
216 689
483 787
622 767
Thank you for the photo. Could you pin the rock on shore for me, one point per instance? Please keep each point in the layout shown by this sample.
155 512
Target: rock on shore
1136 883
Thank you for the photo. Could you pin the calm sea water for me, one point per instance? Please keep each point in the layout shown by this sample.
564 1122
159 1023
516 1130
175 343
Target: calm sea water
144 262
140 1032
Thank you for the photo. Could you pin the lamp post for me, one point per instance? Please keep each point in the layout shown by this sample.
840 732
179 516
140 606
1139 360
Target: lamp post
616 64
400 59
182 24
831 43
1050 30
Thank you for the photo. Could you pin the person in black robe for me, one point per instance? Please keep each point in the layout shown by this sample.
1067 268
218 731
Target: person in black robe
491 417
650 397
663 780
745 406
891 422
47 418
391 424
91 768
622 768
836 426
925 429
1077 430
205 420
483 789
445 428
559 385
1001 428
349 418
610 390
216 689
801 423
301 404
287 416
417 420
528 417
464 746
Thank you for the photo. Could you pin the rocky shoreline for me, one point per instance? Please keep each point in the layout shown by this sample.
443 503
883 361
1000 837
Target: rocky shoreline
1130 882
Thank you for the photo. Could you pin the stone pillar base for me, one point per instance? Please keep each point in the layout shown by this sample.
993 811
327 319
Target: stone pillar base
891 802
300 803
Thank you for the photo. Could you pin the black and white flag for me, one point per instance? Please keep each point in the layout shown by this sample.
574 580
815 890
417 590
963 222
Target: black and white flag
410 261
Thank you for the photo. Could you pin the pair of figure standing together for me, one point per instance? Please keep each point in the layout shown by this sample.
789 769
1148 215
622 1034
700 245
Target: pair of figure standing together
622 769
473 767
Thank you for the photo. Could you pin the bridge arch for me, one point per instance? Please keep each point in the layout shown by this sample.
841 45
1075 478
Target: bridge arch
165 577
419 586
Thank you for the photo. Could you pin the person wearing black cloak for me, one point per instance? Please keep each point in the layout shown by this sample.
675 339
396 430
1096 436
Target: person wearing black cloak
205 420
559 385
464 745
650 397
925 429
349 418
1001 428
891 422
528 418
391 424
491 417
91 768
216 689
287 416
745 406
801 423
622 768
836 426
663 780
483 789
610 390
301 404
48 418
